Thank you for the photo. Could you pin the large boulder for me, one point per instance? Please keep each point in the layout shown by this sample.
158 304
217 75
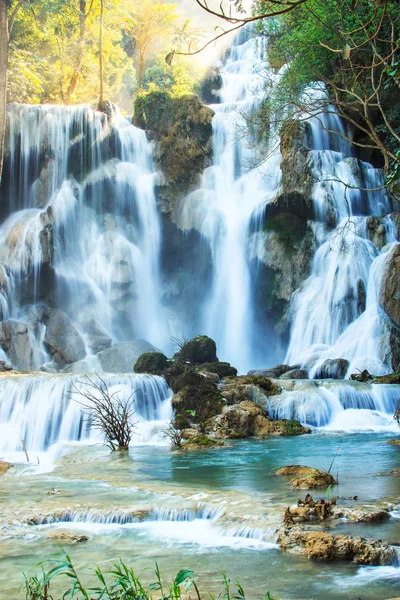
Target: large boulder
20 345
121 357
390 286
153 363
62 339
335 368
198 351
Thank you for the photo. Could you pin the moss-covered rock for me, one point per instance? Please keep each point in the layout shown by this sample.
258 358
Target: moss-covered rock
153 363
196 399
222 369
268 387
198 351
181 126
200 442
307 478
391 378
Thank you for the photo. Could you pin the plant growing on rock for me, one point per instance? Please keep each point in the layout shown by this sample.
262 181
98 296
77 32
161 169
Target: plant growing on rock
107 411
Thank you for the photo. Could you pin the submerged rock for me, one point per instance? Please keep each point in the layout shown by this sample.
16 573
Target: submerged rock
121 357
69 538
322 546
307 478
4 466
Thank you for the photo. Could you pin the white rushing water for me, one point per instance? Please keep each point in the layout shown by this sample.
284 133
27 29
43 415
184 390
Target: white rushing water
328 319
46 410
232 196
92 217
338 406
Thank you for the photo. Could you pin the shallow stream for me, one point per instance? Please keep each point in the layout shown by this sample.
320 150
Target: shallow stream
210 511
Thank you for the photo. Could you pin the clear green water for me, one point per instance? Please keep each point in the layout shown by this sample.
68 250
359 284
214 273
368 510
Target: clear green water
238 480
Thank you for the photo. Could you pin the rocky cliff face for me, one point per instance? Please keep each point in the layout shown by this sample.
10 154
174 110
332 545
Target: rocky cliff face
181 129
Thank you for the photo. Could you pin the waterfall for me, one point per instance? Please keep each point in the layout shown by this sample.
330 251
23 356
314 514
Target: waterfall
331 405
328 317
82 231
232 195
43 410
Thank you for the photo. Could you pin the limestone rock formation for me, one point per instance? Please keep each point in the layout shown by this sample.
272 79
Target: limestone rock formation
62 339
390 286
121 357
20 345
181 128
321 546
306 478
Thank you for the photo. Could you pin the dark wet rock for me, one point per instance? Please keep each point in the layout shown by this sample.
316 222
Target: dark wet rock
306 478
390 286
376 231
198 351
121 357
335 368
210 85
295 374
322 546
62 339
361 296
153 363
362 377
222 369
275 372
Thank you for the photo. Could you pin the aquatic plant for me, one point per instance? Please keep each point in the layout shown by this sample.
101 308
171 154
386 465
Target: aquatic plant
121 583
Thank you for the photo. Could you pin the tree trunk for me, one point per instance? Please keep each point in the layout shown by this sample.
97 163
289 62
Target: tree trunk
81 47
141 70
3 75
101 54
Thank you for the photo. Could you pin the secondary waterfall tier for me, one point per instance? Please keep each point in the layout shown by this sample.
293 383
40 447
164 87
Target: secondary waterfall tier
44 410
338 406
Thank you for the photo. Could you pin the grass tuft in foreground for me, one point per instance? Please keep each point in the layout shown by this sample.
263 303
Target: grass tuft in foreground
121 583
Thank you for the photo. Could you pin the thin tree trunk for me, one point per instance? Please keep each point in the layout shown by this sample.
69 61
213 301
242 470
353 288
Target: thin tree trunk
3 76
83 15
101 53
141 70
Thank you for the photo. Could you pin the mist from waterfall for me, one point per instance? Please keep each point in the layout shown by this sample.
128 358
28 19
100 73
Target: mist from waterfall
231 198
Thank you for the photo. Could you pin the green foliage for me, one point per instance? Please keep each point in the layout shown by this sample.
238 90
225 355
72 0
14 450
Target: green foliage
120 583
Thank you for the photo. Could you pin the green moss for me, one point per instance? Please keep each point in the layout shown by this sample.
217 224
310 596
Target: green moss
264 383
291 427
153 363
222 369
198 351
289 229
201 440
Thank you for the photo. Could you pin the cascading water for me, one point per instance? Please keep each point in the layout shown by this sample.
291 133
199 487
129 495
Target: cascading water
331 318
82 204
45 410
232 196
